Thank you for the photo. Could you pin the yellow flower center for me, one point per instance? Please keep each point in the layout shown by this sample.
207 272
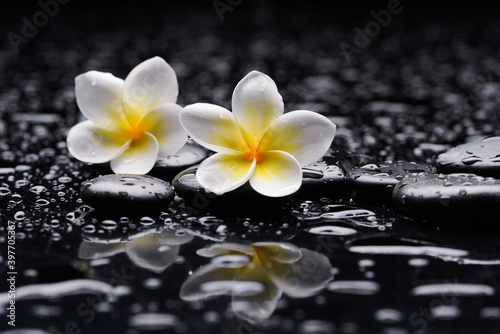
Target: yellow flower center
136 134
253 154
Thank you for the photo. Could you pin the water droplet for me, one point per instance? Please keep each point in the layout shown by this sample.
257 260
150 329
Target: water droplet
471 160
64 179
123 193
445 312
21 183
152 283
54 223
153 321
354 287
332 230
4 191
38 189
42 202
89 229
146 221
387 315
56 236
316 327
109 224
418 262
19 215
490 312
444 200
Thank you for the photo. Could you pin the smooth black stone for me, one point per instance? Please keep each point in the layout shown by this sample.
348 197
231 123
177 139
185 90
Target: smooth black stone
453 196
481 157
169 166
322 179
243 200
376 181
127 192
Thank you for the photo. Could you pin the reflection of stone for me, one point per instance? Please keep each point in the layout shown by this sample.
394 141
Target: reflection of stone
153 250
257 275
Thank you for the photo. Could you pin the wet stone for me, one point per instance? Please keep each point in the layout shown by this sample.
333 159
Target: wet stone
241 201
169 166
449 198
127 192
480 157
375 181
322 179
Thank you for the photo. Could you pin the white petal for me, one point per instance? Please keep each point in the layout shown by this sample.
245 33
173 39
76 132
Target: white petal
256 104
257 308
221 172
304 134
213 127
214 280
92 144
175 236
98 96
225 248
277 174
277 252
149 85
94 250
139 158
163 123
304 277
152 253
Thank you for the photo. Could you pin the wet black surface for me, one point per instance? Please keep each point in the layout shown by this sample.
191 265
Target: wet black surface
426 82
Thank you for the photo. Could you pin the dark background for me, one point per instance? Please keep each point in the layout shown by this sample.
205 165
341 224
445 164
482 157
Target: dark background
426 82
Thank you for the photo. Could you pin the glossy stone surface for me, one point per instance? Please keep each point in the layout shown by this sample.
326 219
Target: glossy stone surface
127 192
480 157
322 179
452 197
243 200
190 154
375 181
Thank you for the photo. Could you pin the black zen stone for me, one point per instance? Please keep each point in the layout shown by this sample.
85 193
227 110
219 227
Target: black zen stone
376 181
127 192
480 157
169 166
322 179
243 200
454 197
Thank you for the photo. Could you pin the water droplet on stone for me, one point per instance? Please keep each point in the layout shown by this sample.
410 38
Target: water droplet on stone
109 224
145 221
471 160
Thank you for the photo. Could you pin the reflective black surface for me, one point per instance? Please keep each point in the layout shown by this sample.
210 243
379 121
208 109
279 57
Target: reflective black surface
328 261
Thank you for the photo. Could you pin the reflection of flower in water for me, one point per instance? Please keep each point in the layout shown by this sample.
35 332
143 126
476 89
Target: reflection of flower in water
154 250
257 275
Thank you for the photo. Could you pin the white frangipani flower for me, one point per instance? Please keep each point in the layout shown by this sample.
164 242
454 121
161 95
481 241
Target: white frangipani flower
129 122
257 142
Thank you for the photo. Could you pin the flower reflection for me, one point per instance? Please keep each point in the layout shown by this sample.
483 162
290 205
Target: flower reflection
153 250
257 275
